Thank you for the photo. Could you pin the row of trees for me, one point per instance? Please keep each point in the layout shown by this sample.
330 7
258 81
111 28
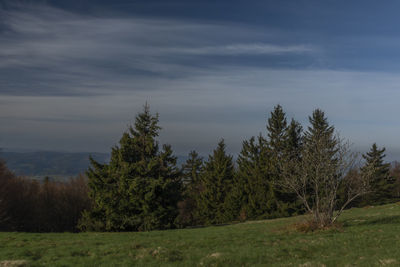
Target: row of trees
49 206
287 172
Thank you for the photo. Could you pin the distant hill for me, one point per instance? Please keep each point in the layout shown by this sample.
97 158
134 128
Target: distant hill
55 164
50 163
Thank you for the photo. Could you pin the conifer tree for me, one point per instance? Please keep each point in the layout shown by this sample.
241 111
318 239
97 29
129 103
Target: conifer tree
294 139
292 152
382 183
140 187
395 173
276 128
253 183
282 140
216 180
191 171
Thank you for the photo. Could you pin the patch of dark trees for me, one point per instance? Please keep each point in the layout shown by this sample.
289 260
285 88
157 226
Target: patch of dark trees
31 206
143 189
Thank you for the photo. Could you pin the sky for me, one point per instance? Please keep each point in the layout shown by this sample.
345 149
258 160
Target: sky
73 74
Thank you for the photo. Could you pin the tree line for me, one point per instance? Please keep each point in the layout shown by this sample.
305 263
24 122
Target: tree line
49 206
286 171
289 171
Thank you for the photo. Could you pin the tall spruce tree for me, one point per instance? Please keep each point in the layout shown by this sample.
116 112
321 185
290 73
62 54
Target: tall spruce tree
293 149
191 171
294 139
216 178
282 139
253 183
276 128
395 173
381 182
140 187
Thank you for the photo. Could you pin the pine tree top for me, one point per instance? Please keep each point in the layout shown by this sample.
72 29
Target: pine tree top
146 124
375 157
276 128
220 162
319 123
294 138
219 153
320 128
192 167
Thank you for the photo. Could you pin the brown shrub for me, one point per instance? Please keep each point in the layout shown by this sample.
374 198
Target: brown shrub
312 226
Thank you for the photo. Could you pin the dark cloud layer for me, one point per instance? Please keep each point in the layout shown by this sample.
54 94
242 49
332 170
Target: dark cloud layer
74 73
48 51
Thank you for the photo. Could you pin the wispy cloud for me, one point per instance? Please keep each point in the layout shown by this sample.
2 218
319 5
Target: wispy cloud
198 110
75 81
246 49
48 51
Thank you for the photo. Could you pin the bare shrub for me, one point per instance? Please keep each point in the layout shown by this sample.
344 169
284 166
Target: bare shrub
315 177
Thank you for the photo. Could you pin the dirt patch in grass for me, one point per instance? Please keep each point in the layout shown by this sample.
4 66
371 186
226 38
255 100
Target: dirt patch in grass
216 259
385 262
215 255
161 254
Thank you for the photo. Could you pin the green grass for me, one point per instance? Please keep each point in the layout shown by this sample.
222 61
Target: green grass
369 237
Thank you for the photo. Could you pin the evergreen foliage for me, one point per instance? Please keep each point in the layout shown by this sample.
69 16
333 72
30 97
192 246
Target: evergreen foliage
140 187
191 171
276 128
293 151
216 179
253 184
257 190
283 141
395 173
352 179
320 132
381 181
294 140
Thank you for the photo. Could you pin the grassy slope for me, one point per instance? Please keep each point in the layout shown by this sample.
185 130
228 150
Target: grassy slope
370 237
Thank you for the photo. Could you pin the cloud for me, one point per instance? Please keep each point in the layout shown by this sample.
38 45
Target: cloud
196 111
73 81
49 51
245 49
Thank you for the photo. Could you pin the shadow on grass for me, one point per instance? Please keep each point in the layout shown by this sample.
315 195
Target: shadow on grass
395 219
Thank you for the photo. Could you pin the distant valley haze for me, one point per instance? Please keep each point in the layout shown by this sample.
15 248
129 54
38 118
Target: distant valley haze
58 165
74 74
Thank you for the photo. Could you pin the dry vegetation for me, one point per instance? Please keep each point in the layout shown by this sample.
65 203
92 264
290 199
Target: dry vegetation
30 206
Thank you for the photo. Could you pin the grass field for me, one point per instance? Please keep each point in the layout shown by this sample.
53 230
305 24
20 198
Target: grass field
369 237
